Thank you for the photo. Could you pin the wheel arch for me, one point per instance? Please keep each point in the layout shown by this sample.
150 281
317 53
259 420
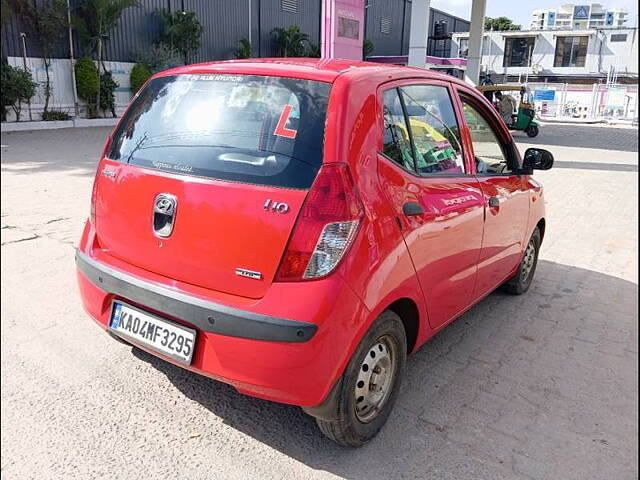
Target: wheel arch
408 311
542 225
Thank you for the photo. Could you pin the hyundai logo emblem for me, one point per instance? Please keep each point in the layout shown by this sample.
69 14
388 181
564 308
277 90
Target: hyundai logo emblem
165 204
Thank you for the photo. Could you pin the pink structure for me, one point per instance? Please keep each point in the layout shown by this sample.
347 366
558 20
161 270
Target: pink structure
342 29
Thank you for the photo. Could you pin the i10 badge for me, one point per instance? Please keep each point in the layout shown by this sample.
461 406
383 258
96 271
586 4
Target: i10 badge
278 207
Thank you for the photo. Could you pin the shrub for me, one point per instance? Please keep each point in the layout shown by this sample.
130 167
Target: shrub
87 83
244 49
158 58
289 42
53 115
367 48
17 86
140 73
107 97
313 51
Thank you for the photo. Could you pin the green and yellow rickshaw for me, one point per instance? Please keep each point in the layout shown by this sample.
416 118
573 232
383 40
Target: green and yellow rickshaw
524 119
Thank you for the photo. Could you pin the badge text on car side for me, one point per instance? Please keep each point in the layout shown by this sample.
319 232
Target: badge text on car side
278 207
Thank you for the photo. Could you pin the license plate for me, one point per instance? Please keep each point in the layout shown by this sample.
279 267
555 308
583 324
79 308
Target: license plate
162 336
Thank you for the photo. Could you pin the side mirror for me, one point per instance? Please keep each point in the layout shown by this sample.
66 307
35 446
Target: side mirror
537 159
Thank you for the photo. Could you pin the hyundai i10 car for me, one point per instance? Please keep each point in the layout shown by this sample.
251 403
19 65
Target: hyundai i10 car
297 227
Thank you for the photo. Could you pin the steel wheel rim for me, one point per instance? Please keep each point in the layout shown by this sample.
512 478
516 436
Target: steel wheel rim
375 379
528 261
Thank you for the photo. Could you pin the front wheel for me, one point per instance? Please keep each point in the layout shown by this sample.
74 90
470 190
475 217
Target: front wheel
521 281
370 384
532 131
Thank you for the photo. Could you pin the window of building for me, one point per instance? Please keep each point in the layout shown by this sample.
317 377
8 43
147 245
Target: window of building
289 5
619 37
463 47
571 51
385 26
517 51
348 28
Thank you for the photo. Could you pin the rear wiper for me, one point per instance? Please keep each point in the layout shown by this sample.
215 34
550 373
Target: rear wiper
138 146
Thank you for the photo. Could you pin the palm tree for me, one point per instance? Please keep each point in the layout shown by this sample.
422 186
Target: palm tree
289 42
94 19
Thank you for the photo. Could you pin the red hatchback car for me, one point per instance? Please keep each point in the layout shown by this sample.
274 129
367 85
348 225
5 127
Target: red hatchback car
296 227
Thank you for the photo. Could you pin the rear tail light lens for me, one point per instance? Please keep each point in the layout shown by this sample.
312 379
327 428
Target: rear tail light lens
94 190
92 212
325 228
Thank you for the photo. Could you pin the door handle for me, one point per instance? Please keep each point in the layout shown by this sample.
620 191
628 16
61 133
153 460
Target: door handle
494 202
412 208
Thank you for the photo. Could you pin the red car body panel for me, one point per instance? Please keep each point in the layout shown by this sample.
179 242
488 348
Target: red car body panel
441 264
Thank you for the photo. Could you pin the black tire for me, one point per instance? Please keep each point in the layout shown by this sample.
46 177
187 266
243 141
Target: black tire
520 282
532 131
348 428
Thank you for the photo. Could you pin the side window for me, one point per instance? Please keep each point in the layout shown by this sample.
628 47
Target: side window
434 130
396 144
490 156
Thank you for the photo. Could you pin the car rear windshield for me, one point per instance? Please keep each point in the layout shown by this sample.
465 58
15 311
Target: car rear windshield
242 128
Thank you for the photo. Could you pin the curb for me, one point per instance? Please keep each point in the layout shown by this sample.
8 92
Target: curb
75 123
569 120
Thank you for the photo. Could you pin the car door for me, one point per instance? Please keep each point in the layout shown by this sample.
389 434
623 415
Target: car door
437 200
506 195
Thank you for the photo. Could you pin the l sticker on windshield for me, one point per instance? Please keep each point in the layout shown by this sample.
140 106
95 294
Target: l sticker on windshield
281 129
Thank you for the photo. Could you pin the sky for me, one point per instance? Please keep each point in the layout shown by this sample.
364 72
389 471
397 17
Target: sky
520 10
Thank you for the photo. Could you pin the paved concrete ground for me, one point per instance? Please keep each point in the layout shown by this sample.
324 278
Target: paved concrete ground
542 386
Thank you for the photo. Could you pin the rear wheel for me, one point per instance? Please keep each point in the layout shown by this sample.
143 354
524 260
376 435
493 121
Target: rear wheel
521 281
532 131
370 384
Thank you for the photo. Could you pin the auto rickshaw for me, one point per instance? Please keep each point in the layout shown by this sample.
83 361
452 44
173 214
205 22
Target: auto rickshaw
523 120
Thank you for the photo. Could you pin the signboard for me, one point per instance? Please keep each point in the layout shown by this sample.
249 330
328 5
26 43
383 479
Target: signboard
551 19
581 12
342 29
547 95
348 28
609 19
616 97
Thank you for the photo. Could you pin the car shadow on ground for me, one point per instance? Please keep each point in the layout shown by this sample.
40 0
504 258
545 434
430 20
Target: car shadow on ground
446 381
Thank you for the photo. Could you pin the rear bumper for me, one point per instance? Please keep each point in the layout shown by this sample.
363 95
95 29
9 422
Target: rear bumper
205 315
254 345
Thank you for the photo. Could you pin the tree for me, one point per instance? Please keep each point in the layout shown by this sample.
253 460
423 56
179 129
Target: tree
16 87
289 42
48 24
88 84
107 96
94 19
140 73
313 51
244 49
181 31
500 24
367 48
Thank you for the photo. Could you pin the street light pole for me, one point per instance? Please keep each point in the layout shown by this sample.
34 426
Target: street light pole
72 63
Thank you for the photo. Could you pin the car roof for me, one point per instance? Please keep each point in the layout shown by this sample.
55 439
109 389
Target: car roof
326 70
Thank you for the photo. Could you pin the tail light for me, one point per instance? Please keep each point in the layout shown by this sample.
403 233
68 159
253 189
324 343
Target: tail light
326 226
92 211
94 190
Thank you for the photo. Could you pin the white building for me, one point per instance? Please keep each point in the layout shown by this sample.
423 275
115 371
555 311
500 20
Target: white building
573 73
558 55
578 17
